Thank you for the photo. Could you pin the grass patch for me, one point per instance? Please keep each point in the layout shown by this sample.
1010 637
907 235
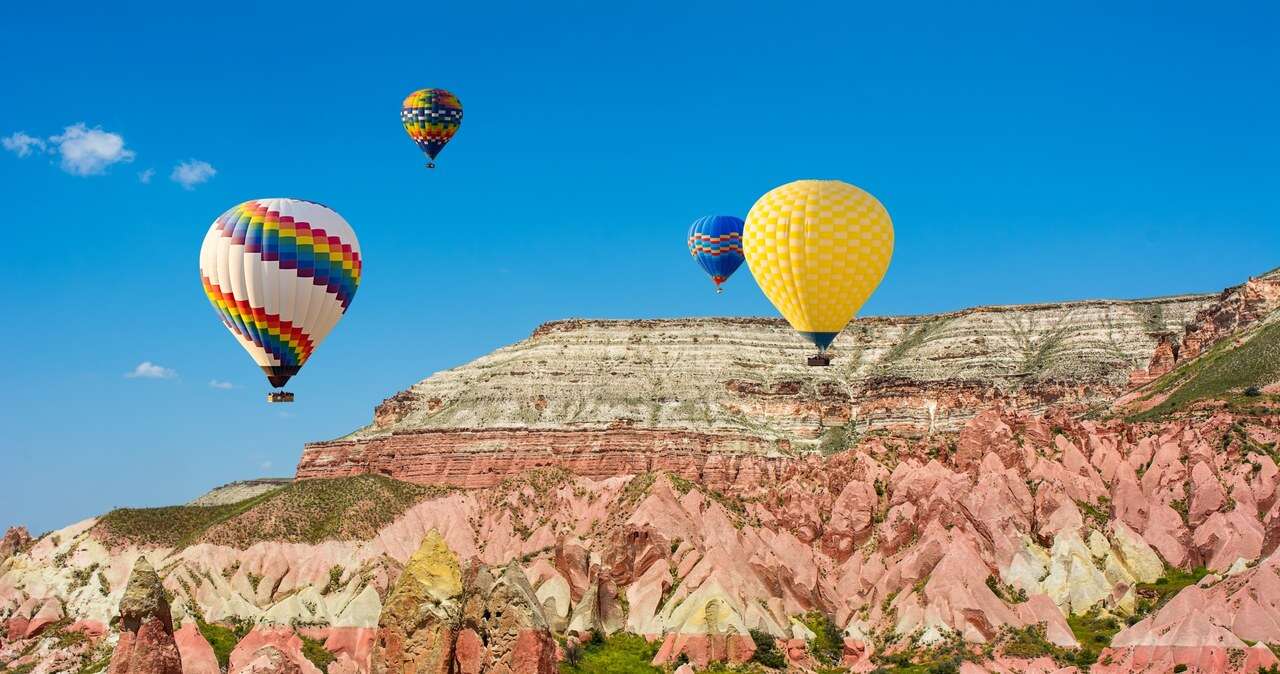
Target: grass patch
943 658
171 526
223 639
1094 631
314 650
1220 371
621 653
1152 596
306 511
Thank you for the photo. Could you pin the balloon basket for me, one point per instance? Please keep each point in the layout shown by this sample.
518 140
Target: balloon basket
431 164
819 360
279 397
719 290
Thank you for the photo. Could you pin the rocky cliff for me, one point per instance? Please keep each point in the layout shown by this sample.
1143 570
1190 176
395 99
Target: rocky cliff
918 503
604 398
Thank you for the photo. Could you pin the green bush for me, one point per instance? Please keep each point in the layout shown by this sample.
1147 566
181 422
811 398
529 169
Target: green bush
827 646
767 652
223 639
315 651
621 653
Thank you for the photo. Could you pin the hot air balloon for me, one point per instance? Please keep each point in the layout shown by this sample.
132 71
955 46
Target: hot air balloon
818 249
715 241
280 273
431 117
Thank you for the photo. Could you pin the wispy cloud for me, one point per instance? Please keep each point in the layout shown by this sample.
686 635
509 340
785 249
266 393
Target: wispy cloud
192 172
145 177
21 144
149 370
87 152
265 465
217 383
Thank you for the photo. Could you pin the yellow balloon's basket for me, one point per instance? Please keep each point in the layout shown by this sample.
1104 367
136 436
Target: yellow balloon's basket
819 360
279 397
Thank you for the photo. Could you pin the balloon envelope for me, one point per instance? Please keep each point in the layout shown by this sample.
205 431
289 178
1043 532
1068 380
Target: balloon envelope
280 273
715 241
431 117
818 249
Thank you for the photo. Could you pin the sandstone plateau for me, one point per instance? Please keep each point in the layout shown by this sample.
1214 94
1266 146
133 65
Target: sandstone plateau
1049 488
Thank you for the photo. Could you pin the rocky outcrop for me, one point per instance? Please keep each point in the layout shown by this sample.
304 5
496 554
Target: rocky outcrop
196 653
503 629
417 630
442 619
236 492
146 643
16 539
1233 311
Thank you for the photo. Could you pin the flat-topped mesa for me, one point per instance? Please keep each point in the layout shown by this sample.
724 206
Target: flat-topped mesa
610 397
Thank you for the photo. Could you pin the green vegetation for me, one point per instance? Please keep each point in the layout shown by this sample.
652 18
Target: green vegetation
684 486
767 652
98 664
1094 631
621 653
1220 372
833 440
1007 593
307 511
1030 642
1152 596
335 580
942 658
315 651
223 639
171 526
827 645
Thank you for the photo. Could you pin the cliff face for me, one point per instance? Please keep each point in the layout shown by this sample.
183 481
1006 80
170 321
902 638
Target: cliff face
614 397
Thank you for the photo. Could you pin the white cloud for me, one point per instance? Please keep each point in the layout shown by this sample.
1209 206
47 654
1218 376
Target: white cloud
149 370
21 144
216 383
192 172
265 465
87 152
144 177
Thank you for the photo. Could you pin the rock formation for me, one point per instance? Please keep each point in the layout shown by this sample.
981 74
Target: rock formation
16 539
442 619
146 643
418 625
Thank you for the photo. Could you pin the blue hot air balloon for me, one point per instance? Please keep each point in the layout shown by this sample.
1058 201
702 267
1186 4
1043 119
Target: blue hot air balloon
715 241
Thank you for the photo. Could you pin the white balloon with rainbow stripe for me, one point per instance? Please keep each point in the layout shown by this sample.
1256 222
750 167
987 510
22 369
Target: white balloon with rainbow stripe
280 273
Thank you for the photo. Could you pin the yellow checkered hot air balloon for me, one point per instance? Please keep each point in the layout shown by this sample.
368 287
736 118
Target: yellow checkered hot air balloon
818 249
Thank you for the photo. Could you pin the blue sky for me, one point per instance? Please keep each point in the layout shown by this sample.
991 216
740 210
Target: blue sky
1025 153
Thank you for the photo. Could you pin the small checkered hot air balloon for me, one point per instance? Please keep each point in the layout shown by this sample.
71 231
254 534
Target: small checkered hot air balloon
715 241
431 117
280 273
818 249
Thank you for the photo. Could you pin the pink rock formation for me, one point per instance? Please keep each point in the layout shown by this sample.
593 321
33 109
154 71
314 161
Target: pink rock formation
195 652
146 643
